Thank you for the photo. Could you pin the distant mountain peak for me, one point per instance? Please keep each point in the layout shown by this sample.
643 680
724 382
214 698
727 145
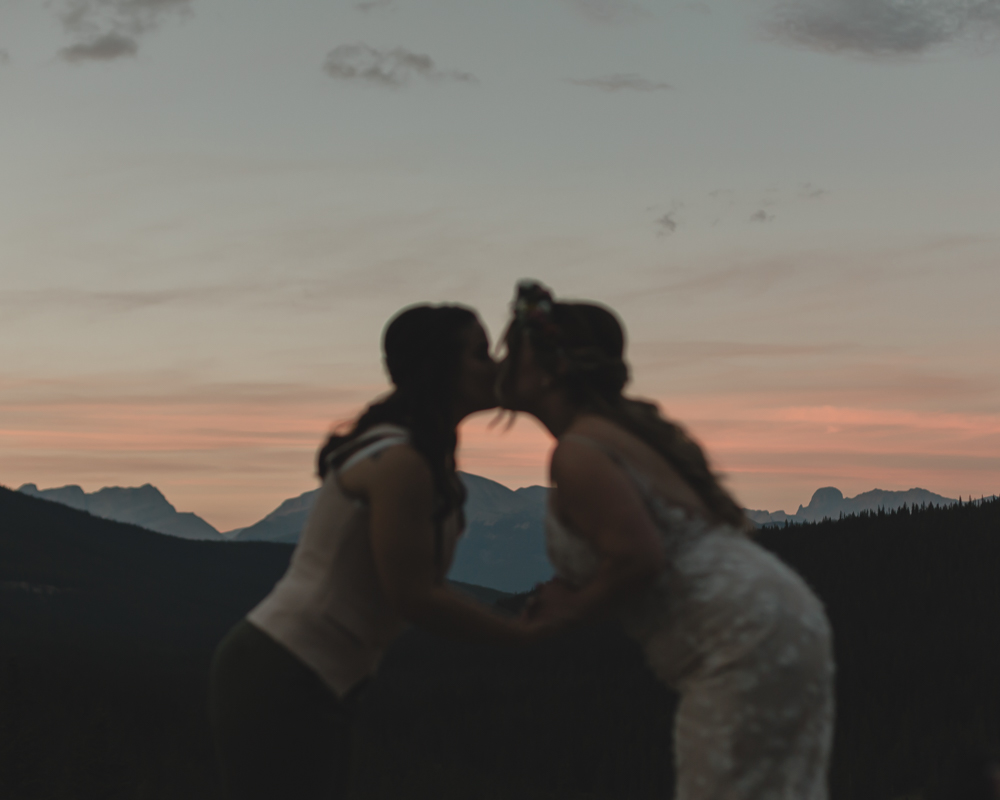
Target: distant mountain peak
71 495
140 505
822 501
503 546
829 502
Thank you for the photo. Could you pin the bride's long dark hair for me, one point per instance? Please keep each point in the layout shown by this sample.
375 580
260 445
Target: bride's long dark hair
422 348
582 346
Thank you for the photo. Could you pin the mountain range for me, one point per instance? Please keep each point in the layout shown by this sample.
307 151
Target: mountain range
830 503
143 505
503 546
504 543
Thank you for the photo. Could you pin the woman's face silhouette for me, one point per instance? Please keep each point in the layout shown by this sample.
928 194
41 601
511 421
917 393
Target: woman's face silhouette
529 381
477 373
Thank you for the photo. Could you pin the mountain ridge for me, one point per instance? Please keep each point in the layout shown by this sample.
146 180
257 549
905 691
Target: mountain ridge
143 505
503 546
829 502
504 542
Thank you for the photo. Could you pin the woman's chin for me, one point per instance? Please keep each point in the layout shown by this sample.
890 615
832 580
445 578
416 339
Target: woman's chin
482 404
515 407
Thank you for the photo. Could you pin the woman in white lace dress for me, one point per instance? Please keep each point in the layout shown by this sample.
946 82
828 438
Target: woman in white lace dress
640 528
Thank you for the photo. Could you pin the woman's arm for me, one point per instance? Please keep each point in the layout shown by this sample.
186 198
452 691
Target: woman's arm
400 494
596 499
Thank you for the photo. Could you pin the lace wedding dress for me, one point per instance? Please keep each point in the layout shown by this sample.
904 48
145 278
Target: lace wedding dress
744 641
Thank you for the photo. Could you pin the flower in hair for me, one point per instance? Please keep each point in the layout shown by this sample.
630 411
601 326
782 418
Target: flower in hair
533 308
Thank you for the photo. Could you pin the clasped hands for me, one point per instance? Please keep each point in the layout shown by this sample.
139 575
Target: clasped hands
554 602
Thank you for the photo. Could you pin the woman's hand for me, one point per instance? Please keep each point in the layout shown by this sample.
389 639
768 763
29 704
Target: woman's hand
400 492
552 605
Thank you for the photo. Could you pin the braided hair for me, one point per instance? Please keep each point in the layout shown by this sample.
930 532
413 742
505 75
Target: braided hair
422 349
583 345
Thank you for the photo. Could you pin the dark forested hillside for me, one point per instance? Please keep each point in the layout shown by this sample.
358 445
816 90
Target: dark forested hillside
106 632
914 599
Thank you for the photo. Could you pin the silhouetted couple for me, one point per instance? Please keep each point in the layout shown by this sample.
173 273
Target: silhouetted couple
638 527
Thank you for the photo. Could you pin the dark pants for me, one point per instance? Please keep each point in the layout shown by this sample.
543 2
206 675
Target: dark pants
279 730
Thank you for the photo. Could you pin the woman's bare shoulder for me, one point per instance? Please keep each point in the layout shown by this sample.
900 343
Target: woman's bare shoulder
642 457
394 468
605 434
572 455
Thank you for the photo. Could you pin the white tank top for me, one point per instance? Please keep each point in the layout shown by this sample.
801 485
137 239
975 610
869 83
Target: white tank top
329 609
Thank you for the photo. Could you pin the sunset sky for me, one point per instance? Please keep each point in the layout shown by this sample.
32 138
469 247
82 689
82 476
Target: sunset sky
209 209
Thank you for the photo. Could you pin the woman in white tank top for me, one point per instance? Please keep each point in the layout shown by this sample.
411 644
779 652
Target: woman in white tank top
372 558
639 528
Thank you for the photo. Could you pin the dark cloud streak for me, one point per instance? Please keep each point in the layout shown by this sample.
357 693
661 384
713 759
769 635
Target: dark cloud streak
627 81
104 48
105 30
882 28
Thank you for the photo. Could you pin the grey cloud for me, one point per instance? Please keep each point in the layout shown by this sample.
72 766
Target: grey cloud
108 29
761 216
132 17
4 57
104 48
372 5
627 81
883 27
667 223
809 191
391 68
